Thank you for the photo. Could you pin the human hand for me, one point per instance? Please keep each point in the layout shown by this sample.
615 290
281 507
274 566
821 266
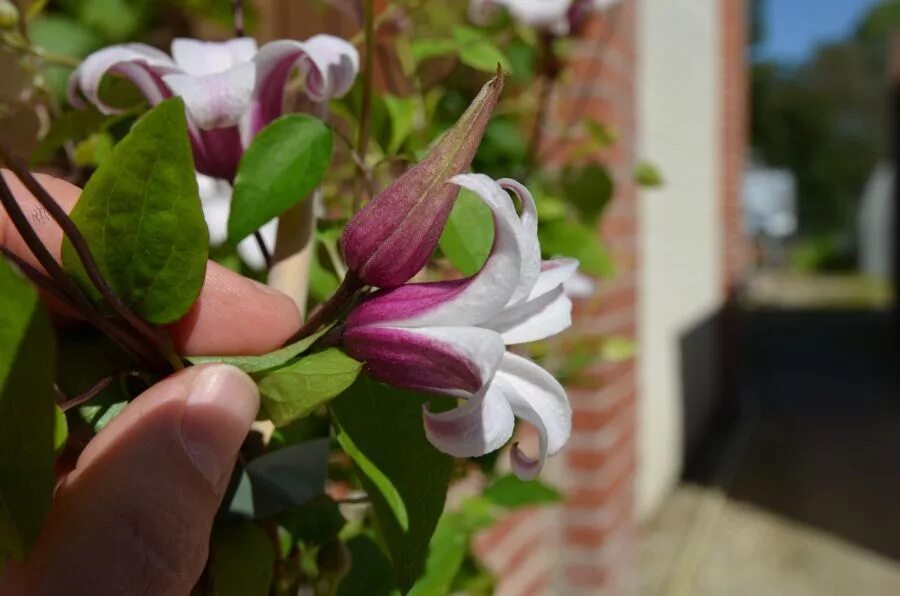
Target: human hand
135 514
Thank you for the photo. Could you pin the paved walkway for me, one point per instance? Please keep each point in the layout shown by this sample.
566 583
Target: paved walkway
804 498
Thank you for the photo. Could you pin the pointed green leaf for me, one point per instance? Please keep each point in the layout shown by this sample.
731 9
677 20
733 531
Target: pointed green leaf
300 387
241 560
279 169
469 233
511 492
380 428
646 174
370 570
573 239
27 414
140 214
264 362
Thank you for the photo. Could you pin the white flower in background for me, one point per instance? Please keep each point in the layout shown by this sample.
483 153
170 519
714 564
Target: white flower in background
230 90
451 338
554 16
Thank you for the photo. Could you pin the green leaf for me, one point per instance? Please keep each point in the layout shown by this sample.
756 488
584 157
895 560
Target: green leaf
288 477
511 492
264 362
315 522
380 428
370 570
617 349
280 168
477 51
300 387
241 560
140 214
573 239
602 135
646 174
70 126
27 414
93 150
402 111
424 49
445 558
469 233
60 430
589 189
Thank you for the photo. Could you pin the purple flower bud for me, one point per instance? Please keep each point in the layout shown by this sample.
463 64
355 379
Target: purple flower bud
394 235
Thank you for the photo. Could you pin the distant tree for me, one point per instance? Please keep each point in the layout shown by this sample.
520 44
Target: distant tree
825 119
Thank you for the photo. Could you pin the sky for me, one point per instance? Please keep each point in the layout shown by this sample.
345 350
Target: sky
794 28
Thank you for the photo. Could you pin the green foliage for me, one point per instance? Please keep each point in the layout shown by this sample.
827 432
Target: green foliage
280 168
450 544
27 414
478 52
402 112
380 428
570 238
511 492
298 388
588 189
647 175
93 150
472 46
469 233
263 362
824 120
288 477
71 126
370 571
242 560
315 522
140 214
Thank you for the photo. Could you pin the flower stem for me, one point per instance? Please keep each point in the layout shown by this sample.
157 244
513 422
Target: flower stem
329 310
20 44
362 142
152 336
550 72
237 11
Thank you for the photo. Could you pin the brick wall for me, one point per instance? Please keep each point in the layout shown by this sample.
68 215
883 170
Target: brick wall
586 546
733 22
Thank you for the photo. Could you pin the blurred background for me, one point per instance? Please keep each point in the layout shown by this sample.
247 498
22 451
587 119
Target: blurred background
741 434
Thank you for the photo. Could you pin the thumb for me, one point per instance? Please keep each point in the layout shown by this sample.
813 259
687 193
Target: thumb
135 515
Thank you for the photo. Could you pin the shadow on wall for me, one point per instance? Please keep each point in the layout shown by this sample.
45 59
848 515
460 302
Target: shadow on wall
824 440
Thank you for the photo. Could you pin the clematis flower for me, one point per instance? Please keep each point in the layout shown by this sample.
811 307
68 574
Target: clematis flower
558 17
451 338
230 90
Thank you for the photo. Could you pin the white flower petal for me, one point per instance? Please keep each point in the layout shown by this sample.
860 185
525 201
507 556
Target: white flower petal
539 399
535 319
541 14
216 100
528 239
486 293
215 198
249 249
328 64
579 286
143 65
553 274
199 58
484 423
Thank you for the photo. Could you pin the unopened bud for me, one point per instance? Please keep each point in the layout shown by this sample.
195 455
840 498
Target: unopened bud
9 15
394 235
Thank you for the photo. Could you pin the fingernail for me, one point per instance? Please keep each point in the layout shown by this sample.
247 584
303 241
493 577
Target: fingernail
221 405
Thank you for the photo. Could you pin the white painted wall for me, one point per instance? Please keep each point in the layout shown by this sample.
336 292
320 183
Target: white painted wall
681 245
